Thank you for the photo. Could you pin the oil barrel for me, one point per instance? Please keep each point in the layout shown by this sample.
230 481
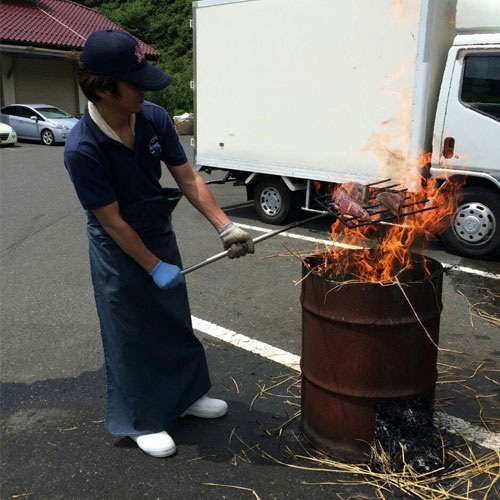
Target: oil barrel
362 343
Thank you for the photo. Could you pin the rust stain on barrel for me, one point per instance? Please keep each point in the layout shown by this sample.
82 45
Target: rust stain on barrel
362 343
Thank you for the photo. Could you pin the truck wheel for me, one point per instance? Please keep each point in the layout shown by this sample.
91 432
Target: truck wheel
274 202
47 137
475 229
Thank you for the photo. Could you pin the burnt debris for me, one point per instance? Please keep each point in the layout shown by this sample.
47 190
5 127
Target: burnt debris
405 430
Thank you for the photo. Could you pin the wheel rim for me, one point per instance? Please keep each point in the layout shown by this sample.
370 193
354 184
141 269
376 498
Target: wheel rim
474 223
270 201
47 137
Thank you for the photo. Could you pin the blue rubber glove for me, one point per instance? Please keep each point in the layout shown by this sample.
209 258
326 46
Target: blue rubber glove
166 275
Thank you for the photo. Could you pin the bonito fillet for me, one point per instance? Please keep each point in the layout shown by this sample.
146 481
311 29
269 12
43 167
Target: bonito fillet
359 193
345 205
392 201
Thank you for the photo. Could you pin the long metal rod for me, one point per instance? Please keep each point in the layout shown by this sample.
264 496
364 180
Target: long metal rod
266 236
383 219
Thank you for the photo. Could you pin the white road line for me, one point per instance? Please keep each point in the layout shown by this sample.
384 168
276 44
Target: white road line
471 270
456 425
287 234
252 345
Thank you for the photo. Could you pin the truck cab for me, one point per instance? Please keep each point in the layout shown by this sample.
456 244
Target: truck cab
467 134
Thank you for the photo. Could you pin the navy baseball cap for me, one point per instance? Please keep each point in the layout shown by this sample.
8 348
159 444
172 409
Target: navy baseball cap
118 54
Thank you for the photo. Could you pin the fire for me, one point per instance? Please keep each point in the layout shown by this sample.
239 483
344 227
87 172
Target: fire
399 6
388 247
389 142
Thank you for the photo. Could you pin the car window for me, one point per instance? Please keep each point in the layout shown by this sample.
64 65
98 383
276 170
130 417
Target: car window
9 110
12 110
53 113
481 84
25 112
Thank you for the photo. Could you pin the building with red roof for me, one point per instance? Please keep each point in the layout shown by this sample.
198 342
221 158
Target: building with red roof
37 39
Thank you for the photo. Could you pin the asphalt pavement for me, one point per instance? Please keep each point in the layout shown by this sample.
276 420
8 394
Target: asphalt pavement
53 444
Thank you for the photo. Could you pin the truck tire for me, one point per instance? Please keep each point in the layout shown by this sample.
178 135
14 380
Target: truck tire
274 202
475 228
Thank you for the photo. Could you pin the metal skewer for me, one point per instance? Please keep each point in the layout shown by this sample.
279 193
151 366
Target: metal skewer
378 182
385 210
384 219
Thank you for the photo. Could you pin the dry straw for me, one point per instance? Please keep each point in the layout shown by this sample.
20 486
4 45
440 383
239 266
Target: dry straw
467 474
254 493
476 311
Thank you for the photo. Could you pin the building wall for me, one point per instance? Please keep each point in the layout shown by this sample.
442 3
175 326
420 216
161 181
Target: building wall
40 79
46 80
8 93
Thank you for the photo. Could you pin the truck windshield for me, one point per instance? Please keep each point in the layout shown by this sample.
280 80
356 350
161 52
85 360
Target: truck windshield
481 84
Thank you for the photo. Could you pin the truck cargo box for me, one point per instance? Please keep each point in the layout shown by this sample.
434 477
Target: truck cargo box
317 89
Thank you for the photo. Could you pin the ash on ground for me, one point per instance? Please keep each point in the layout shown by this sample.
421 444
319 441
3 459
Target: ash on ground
405 430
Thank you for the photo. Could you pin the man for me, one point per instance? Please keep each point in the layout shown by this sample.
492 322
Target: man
155 366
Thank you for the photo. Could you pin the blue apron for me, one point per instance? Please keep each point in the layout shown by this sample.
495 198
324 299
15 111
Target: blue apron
155 366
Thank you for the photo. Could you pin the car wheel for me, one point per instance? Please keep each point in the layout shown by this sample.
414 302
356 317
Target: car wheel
47 137
475 228
274 202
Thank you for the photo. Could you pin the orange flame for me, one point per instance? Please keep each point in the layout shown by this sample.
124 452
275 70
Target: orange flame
388 247
399 6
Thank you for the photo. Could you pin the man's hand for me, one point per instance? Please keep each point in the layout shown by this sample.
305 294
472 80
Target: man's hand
166 275
236 241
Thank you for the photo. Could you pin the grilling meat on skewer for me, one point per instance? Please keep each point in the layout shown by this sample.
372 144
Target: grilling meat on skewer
345 205
357 192
391 201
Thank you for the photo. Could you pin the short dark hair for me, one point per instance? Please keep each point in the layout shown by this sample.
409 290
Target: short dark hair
90 83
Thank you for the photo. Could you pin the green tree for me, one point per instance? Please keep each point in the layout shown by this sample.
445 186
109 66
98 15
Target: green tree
164 25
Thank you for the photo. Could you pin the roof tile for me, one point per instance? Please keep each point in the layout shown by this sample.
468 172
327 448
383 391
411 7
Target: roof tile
58 23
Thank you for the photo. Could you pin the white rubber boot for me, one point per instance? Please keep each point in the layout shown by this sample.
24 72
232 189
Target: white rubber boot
157 445
207 407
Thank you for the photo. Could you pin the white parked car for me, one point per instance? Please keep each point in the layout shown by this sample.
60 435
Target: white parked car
8 136
38 122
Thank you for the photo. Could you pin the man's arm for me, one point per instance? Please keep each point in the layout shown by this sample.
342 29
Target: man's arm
236 241
198 194
164 275
124 236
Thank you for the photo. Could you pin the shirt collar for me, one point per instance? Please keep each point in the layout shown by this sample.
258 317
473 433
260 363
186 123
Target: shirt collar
100 137
103 125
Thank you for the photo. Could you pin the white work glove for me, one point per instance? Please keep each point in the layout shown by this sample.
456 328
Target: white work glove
236 241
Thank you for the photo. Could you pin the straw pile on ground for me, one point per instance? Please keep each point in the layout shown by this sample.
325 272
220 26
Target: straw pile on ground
463 471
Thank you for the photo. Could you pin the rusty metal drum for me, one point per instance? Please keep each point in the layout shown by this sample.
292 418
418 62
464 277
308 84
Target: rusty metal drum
363 343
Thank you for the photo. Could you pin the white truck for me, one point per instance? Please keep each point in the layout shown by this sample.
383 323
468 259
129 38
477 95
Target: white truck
295 94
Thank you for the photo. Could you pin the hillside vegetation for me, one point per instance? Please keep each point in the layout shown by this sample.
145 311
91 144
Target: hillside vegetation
164 25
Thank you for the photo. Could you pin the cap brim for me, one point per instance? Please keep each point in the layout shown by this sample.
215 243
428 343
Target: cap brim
147 78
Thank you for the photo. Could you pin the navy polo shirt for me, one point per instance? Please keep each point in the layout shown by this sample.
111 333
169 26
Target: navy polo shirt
104 170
